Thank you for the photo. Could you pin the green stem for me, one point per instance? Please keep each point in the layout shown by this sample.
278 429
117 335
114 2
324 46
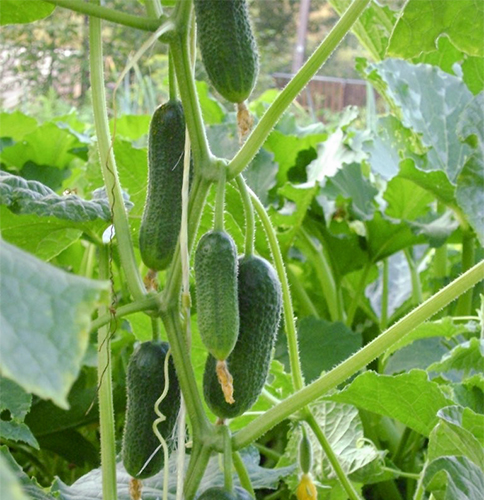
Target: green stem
156 329
268 452
464 304
306 305
384 296
105 394
415 277
333 459
154 8
357 297
243 474
184 370
180 48
290 327
193 481
171 77
249 215
286 97
115 16
227 440
324 274
400 473
218 222
359 360
108 163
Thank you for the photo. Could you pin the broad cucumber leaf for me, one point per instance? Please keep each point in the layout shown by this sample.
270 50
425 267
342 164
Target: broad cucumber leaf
343 429
213 112
410 398
45 316
465 418
424 21
131 127
9 485
45 237
32 197
89 486
23 11
14 430
15 125
454 478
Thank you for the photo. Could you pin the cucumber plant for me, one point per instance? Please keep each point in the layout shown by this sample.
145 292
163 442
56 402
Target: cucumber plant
239 299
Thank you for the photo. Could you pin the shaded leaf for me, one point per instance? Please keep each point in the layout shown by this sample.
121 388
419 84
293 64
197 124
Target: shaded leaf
260 175
14 430
45 317
14 399
213 112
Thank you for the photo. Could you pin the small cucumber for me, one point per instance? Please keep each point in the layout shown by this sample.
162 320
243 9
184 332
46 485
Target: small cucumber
228 47
259 293
160 224
145 382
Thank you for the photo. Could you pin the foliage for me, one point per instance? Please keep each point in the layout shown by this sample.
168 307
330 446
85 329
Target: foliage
369 218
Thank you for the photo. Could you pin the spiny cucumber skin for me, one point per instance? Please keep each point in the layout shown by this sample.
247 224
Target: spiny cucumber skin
145 383
216 292
160 224
260 300
228 47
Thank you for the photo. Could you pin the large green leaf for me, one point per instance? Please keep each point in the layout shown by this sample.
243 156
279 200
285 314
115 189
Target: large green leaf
424 21
89 486
16 125
23 11
454 478
45 317
410 398
9 485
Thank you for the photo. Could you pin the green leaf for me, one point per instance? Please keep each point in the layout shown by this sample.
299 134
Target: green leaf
465 418
15 430
444 57
464 360
473 69
454 478
213 112
410 398
23 11
45 237
323 345
406 201
89 486
131 127
9 485
16 125
45 316
260 175
49 144
412 89
32 197
343 429
450 437
424 21
14 399
141 326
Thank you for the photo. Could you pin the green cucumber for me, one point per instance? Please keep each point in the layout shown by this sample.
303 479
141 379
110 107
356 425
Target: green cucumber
259 292
160 224
145 382
216 293
228 47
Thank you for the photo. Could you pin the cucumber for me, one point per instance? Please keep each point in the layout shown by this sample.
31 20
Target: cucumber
228 47
145 382
216 293
259 293
160 224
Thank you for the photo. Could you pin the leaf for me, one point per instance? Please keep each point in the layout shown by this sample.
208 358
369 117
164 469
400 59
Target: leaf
131 127
9 485
343 429
432 114
406 201
474 74
260 175
449 437
213 112
32 197
23 11
89 486
410 398
45 237
424 21
444 57
323 345
454 478
464 360
16 125
49 144
15 430
465 418
14 399
437 228
45 317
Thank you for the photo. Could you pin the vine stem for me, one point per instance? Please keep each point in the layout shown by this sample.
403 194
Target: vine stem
464 304
218 221
227 442
241 469
384 295
259 134
249 215
105 392
359 360
115 16
333 459
306 305
359 292
108 163
414 277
